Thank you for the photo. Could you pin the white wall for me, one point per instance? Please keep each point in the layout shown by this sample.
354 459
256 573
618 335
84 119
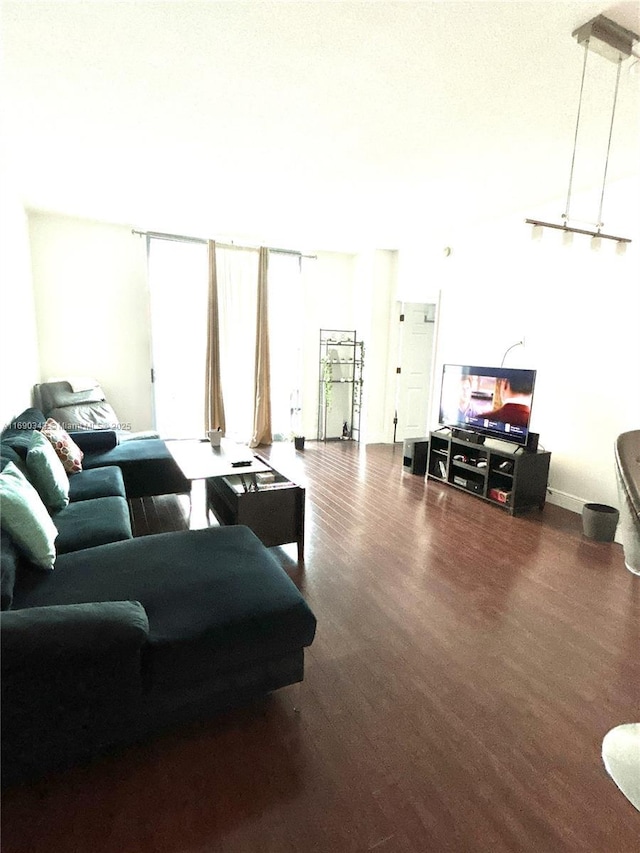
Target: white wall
579 313
92 308
375 282
19 368
419 272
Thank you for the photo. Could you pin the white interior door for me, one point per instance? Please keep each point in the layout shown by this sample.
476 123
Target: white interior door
416 340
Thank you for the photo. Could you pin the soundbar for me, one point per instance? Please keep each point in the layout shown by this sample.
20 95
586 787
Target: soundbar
467 435
477 438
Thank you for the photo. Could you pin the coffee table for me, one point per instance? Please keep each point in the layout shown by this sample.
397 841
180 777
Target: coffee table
198 460
256 494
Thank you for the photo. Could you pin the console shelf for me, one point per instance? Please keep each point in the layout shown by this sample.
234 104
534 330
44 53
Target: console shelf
507 476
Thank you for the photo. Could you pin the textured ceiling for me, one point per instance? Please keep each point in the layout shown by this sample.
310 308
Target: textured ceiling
317 124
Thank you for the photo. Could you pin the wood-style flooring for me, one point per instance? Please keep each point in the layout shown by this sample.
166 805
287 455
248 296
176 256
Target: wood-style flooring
466 667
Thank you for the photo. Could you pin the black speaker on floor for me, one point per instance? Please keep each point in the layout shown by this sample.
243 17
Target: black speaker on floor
414 455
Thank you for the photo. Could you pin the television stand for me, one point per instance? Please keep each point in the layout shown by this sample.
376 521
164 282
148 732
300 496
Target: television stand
494 471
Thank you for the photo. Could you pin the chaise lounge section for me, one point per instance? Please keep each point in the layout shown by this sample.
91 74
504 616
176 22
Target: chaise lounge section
126 637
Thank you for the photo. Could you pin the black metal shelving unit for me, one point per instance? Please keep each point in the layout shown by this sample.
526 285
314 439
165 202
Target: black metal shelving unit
341 362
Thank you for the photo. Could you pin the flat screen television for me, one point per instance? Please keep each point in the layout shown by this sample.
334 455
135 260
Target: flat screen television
494 401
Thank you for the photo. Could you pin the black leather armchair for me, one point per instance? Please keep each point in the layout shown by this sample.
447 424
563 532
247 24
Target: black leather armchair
82 405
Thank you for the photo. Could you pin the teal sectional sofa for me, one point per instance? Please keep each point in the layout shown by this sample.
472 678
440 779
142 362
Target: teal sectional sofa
125 637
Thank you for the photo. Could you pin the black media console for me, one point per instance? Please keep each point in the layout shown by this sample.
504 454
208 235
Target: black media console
510 477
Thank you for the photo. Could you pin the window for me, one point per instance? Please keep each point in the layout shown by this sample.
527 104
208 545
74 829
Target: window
178 285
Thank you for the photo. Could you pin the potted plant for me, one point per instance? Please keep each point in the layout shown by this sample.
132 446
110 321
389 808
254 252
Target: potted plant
296 409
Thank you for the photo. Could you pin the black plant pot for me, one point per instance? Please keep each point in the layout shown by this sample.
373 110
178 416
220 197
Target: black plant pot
299 442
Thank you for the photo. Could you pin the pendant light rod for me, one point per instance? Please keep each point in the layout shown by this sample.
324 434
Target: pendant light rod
606 162
565 215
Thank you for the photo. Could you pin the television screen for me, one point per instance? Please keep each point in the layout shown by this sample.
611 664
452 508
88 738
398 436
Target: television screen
495 401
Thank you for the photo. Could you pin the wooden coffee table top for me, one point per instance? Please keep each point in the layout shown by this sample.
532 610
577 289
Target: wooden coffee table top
198 460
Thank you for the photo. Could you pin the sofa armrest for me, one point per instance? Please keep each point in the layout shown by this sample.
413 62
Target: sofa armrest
95 440
71 683
39 635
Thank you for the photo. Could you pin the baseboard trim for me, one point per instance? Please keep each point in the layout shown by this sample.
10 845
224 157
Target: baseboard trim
565 500
572 503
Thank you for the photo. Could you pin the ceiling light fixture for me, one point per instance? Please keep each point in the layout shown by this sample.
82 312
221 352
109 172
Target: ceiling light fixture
615 43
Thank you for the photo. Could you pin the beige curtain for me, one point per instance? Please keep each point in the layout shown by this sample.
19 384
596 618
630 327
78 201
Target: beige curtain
214 405
262 404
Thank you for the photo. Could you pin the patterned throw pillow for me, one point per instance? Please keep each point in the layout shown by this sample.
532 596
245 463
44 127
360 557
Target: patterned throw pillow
70 454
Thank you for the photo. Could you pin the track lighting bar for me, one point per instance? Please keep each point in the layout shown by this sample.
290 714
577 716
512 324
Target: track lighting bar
571 230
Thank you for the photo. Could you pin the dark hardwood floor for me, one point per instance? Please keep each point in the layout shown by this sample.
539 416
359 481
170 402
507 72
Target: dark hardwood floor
466 668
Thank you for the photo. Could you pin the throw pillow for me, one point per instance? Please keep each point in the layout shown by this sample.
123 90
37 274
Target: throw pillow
70 454
25 518
47 473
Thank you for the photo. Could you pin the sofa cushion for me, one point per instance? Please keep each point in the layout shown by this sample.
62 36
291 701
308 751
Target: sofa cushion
95 440
18 440
8 561
85 524
148 468
26 519
9 454
47 473
31 418
17 434
215 598
97 483
139 435
66 448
